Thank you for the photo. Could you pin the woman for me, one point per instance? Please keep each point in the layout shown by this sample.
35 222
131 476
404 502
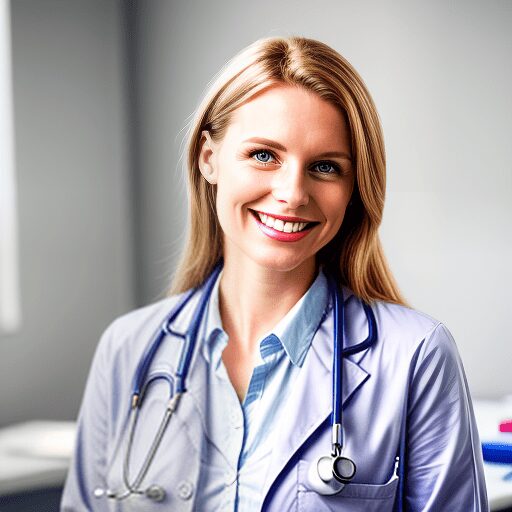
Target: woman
287 176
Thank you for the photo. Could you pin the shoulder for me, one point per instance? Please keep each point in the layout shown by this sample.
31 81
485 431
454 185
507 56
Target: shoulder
131 331
406 330
414 351
398 318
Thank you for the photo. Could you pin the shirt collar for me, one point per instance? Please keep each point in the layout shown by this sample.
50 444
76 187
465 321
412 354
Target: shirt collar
295 330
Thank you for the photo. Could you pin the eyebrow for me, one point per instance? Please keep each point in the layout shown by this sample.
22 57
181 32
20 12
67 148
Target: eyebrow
280 147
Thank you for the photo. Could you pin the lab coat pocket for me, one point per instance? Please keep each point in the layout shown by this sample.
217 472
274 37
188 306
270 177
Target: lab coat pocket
356 497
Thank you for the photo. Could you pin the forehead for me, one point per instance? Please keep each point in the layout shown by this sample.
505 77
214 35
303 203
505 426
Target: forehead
290 115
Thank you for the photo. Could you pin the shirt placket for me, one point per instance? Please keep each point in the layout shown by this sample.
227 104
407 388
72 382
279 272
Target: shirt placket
232 438
239 416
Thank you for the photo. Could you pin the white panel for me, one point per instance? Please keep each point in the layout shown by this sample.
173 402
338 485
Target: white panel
10 313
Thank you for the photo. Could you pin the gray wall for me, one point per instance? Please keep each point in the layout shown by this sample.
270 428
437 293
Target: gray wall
100 184
441 77
73 195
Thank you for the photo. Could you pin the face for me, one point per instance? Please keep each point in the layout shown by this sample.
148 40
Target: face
284 177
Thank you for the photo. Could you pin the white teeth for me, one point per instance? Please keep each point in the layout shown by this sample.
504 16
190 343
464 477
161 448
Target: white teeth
279 225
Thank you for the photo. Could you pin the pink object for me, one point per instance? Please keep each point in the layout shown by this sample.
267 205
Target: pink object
281 235
506 426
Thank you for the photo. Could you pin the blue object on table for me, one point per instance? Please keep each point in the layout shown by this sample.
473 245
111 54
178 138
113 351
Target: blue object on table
497 452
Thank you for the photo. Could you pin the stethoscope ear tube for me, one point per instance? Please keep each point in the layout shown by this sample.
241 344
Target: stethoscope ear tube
338 330
337 375
331 473
154 345
191 339
156 492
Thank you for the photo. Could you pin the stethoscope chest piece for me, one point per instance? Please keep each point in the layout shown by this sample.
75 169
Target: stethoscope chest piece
328 475
155 493
343 469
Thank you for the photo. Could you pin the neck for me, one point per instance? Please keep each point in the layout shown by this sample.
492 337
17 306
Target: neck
253 299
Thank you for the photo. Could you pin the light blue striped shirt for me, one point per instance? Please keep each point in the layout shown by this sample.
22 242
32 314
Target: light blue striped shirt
239 435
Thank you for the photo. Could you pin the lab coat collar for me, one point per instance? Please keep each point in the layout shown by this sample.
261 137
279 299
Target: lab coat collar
182 322
310 402
193 405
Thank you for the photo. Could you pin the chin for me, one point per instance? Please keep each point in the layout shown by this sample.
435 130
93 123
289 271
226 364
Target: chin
282 262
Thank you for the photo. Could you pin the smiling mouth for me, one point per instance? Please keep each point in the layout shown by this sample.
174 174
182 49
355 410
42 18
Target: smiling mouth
279 224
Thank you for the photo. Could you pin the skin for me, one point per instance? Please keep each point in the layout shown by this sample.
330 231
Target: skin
263 278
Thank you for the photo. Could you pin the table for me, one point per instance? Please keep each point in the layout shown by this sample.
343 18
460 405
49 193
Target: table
488 414
34 459
35 455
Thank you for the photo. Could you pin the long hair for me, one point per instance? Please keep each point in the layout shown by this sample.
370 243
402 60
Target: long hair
355 254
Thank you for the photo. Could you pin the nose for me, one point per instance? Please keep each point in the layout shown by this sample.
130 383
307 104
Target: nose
289 186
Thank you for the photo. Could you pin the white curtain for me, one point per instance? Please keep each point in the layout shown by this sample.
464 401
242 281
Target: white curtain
10 311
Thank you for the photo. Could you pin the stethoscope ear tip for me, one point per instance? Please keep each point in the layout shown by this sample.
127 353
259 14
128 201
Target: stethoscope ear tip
99 492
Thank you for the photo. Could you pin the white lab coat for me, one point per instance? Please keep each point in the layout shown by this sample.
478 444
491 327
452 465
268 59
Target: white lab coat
414 362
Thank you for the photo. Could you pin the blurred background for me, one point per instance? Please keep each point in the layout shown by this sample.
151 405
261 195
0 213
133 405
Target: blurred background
102 91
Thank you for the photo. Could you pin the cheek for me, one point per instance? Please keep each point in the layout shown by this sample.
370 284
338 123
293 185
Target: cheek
223 208
334 211
235 191
336 223
238 187
334 205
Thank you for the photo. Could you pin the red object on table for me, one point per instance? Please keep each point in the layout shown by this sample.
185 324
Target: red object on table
506 426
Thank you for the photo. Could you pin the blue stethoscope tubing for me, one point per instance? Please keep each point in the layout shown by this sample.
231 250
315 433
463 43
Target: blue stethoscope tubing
190 338
339 351
178 387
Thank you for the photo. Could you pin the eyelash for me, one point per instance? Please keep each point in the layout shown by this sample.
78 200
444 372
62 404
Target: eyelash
335 166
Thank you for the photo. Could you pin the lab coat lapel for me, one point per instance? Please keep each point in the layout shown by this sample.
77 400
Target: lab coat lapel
310 401
195 407
192 406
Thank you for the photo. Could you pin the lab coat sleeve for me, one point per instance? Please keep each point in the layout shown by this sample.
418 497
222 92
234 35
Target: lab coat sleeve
88 465
444 467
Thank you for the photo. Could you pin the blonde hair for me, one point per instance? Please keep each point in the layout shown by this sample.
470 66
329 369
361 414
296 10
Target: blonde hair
355 254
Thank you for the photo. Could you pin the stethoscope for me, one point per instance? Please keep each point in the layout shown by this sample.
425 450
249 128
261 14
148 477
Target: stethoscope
327 475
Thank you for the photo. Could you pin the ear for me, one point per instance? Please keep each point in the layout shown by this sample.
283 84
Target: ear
207 164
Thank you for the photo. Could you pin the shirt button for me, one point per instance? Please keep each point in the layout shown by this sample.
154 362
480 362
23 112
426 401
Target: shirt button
185 490
234 418
99 492
230 477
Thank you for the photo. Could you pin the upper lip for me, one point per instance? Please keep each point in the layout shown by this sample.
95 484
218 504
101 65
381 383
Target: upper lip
284 218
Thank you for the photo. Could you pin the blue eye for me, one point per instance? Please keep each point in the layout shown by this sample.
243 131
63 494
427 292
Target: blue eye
327 168
262 156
